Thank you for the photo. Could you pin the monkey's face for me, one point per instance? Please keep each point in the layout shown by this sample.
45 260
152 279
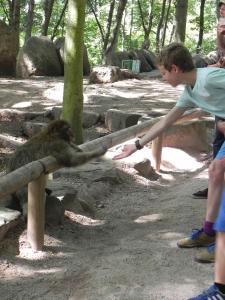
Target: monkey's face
67 133
60 129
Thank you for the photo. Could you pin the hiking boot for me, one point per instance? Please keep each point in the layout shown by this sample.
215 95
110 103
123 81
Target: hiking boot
207 255
212 293
203 194
198 238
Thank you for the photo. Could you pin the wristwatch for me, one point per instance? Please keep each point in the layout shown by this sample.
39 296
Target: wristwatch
138 145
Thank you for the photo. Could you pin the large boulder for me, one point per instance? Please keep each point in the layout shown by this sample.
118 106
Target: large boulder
105 74
116 58
146 63
116 119
59 43
147 59
38 57
8 50
212 57
199 61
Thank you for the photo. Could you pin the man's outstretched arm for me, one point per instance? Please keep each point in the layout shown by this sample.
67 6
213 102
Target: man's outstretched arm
173 115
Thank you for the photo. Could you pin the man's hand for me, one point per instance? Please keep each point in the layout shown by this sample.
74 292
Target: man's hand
126 151
221 126
221 29
222 62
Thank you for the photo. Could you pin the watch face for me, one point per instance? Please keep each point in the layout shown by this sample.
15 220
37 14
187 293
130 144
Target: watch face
137 144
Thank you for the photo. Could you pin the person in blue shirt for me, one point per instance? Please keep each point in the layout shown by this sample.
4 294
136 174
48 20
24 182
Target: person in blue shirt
204 88
219 137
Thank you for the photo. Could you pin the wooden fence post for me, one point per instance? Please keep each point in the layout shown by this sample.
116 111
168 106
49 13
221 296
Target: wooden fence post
36 212
157 151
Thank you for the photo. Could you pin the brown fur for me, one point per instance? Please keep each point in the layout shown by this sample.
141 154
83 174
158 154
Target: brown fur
55 140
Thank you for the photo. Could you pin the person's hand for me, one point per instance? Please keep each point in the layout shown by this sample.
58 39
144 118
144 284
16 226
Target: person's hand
222 62
221 127
126 151
221 29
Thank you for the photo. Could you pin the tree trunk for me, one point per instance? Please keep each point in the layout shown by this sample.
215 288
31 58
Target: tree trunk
30 18
15 20
181 19
73 66
201 27
114 40
217 5
48 6
159 27
131 24
93 9
59 20
165 24
11 10
147 26
108 26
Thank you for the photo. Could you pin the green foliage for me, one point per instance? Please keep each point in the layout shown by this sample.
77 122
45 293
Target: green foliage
92 40
132 33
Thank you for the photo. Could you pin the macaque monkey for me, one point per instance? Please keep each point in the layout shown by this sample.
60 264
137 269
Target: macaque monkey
56 140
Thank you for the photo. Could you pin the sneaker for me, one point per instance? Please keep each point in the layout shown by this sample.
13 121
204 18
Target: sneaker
198 238
212 293
203 194
207 255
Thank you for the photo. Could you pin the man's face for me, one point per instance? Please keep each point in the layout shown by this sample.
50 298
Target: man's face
172 77
222 10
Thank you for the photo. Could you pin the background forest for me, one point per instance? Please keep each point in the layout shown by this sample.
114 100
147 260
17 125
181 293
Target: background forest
119 25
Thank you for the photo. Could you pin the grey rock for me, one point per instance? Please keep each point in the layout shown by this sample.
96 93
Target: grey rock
38 57
116 119
103 74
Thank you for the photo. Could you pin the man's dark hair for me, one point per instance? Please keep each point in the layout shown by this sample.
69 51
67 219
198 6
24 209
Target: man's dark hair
176 54
221 3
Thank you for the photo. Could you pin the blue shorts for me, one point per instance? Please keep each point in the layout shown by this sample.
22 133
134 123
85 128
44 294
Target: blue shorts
220 221
221 152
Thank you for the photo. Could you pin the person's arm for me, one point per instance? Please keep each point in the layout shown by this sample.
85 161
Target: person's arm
174 114
216 65
221 36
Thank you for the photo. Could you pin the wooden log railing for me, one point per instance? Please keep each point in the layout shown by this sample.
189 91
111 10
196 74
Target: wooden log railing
34 174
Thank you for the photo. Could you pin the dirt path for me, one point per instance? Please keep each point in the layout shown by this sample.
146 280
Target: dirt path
127 251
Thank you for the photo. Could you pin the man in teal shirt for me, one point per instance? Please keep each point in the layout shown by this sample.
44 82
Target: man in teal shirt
204 88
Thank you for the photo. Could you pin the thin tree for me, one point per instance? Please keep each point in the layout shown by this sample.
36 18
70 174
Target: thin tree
146 23
131 24
59 20
112 45
201 27
166 23
30 19
104 32
181 19
73 68
14 20
48 6
160 24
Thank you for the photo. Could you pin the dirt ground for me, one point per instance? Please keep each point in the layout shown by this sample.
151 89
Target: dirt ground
127 250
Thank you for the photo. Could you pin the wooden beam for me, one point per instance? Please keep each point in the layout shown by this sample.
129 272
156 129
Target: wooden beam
36 213
11 182
157 151
121 136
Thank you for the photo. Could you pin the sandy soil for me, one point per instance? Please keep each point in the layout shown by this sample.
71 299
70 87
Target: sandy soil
127 251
